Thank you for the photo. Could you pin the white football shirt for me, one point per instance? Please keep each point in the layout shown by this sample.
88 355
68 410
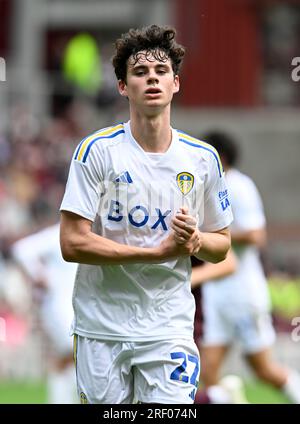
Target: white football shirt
131 197
248 284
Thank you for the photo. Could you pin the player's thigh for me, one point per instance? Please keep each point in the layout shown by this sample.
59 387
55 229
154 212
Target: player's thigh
266 368
103 371
167 372
261 360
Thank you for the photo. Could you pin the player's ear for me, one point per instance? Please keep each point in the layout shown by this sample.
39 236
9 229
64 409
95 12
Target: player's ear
176 84
122 88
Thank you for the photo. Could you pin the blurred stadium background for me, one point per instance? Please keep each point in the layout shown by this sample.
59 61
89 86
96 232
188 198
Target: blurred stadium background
59 85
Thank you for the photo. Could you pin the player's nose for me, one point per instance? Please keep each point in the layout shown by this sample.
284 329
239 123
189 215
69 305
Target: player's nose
152 78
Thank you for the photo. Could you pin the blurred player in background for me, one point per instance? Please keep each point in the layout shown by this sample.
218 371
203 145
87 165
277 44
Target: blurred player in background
39 256
237 307
201 272
230 389
128 186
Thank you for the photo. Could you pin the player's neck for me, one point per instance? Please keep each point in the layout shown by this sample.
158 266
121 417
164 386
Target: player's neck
153 134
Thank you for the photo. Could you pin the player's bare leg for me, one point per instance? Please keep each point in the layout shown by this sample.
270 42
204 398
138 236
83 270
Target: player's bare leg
211 360
267 369
275 374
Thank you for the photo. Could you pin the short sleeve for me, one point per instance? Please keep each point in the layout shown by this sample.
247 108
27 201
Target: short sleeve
247 206
84 186
32 251
217 212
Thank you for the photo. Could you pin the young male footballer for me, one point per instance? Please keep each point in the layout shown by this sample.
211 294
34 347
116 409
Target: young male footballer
141 198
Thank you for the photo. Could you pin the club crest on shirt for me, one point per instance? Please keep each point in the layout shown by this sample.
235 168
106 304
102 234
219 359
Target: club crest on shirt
185 182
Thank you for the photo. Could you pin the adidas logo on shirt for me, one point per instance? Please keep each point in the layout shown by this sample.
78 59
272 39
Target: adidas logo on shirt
124 178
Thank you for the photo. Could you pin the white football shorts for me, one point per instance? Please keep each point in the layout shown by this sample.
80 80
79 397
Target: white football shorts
136 372
250 326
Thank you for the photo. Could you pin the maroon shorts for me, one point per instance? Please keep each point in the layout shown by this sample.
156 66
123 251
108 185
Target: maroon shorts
198 321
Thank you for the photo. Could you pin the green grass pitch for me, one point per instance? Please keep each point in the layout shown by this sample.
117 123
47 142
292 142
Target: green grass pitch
36 393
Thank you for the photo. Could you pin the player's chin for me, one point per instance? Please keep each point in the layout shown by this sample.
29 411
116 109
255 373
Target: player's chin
154 103
156 106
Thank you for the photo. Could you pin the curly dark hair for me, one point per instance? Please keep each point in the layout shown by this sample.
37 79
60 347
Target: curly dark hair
155 40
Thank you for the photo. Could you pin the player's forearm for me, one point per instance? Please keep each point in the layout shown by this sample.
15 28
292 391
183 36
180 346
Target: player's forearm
256 237
93 249
214 246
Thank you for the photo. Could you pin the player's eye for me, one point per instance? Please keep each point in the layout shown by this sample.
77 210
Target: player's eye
139 72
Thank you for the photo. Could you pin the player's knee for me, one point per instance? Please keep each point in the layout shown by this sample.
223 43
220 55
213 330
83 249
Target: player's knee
262 373
266 372
272 374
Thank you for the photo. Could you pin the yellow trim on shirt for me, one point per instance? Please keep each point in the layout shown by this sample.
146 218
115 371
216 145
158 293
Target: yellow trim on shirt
109 131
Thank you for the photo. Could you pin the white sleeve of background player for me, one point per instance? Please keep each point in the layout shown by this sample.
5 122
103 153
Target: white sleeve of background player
217 212
83 187
31 251
247 206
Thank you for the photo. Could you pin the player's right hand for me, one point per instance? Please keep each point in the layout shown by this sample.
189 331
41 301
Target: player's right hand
171 247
